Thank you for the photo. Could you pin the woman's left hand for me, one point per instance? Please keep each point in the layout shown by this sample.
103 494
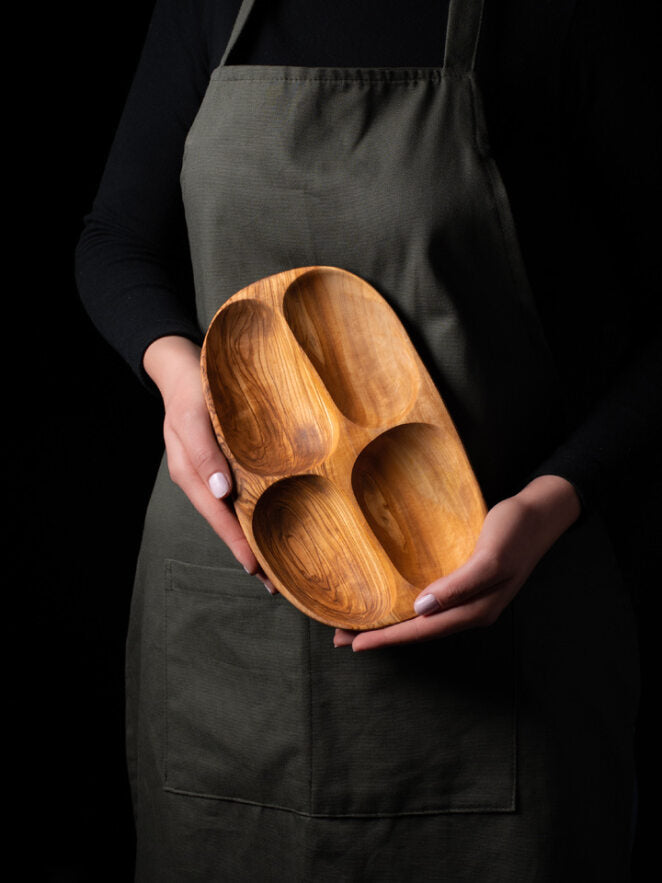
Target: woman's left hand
517 532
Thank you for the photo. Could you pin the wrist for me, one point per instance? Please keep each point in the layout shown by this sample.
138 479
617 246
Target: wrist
168 359
554 501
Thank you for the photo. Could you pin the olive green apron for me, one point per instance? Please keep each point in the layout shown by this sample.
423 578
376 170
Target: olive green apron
257 751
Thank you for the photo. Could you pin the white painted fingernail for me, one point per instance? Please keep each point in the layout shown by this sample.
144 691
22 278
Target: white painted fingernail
219 485
269 586
427 604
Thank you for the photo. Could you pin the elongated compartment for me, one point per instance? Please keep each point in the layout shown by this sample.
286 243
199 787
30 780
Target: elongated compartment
420 497
313 542
276 415
356 343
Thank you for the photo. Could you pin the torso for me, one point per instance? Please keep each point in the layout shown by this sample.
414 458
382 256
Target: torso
280 757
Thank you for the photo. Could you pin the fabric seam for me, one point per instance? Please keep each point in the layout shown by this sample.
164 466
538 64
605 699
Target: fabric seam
311 741
434 76
478 808
167 579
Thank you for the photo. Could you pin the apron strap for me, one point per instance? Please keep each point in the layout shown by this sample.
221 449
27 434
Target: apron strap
465 18
240 21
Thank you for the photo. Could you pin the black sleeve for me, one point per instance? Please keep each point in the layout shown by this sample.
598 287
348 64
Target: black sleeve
132 261
610 108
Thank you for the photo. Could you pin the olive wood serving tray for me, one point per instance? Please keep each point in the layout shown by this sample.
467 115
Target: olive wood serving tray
352 485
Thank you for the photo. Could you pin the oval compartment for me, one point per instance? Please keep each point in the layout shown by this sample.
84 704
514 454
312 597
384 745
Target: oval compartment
314 544
276 414
349 335
414 488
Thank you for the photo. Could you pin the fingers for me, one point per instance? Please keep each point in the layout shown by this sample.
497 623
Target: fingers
343 637
481 611
266 582
219 514
193 429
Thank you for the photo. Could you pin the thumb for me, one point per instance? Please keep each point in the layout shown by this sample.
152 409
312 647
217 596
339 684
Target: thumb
479 573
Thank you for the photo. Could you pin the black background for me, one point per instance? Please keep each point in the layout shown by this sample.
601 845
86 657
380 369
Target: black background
83 472
82 455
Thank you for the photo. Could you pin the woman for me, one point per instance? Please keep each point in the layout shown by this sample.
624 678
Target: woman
256 751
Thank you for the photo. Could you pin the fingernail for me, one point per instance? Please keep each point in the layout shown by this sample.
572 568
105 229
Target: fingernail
269 586
427 604
219 485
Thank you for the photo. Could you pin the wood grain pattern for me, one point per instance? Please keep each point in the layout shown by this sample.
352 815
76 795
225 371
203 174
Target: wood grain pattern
353 487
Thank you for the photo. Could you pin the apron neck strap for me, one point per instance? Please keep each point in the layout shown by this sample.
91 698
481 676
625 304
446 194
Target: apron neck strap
240 21
465 18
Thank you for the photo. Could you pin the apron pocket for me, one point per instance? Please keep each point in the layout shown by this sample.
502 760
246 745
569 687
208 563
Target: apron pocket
421 728
235 682
260 708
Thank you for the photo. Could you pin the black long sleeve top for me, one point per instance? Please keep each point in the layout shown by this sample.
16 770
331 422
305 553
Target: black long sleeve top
564 85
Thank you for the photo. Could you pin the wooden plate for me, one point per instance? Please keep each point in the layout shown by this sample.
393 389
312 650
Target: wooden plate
353 487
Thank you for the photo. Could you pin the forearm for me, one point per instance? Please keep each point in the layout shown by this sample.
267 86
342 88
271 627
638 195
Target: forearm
132 261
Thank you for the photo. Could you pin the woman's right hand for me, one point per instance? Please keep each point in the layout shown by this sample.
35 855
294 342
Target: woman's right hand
195 461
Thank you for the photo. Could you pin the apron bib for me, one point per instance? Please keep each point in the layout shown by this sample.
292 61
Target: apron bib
257 751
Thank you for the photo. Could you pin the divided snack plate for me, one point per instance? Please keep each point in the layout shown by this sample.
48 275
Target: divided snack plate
352 485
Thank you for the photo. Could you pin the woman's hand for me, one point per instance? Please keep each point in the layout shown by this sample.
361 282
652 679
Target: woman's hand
516 534
195 461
